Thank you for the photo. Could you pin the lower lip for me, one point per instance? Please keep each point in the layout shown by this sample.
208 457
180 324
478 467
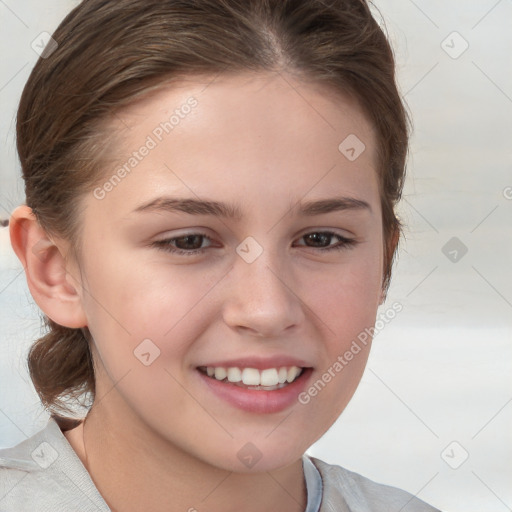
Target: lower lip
259 401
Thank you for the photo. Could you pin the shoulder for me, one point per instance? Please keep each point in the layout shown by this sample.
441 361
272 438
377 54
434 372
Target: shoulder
353 492
43 473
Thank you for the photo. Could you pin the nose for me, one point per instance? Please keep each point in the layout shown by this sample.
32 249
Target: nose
260 298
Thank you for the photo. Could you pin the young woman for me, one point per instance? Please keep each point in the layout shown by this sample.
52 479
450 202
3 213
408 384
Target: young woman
209 227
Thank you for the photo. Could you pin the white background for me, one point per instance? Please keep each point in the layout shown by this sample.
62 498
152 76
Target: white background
440 370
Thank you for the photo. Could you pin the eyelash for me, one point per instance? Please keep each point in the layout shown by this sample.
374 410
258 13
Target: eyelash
165 245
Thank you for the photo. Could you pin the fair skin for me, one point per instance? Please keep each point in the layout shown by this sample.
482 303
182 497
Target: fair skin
258 143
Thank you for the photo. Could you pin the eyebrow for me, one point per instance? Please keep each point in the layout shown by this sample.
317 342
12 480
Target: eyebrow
233 211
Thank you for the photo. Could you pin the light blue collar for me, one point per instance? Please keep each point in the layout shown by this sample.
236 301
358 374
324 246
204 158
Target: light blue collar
313 485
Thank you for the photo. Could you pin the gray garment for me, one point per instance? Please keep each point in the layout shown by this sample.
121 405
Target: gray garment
44 474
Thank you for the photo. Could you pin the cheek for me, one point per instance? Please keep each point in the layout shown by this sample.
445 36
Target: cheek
345 302
347 297
133 300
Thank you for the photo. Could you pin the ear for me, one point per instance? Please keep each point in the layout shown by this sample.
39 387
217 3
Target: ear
390 248
55 290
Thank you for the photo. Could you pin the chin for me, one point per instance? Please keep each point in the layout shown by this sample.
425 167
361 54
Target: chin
259 455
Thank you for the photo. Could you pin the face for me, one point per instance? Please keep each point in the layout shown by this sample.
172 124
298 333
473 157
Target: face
243 242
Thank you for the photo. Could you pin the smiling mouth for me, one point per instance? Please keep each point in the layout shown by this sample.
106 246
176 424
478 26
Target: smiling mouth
269 379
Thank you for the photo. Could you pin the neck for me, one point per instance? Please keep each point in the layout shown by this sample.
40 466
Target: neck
134 469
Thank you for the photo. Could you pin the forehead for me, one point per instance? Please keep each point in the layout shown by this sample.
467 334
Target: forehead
251 135
249 101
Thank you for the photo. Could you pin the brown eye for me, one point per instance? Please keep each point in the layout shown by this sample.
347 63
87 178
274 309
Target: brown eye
193 242
320 240
189 244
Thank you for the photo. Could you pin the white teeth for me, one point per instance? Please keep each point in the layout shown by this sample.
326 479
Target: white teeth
268 378
220 373
282 375
251 377
292 373
234 375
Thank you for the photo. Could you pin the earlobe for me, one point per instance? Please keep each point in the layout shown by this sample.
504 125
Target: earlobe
54 289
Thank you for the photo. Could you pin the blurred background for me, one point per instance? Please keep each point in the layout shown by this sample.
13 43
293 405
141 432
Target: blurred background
433 413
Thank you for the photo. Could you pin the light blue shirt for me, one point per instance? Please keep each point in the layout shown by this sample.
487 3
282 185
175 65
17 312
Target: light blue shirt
313 485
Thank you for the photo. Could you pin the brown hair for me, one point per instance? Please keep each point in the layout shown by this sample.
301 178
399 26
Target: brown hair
112 51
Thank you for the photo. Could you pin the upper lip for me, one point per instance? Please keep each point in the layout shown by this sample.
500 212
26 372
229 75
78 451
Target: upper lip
259 363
